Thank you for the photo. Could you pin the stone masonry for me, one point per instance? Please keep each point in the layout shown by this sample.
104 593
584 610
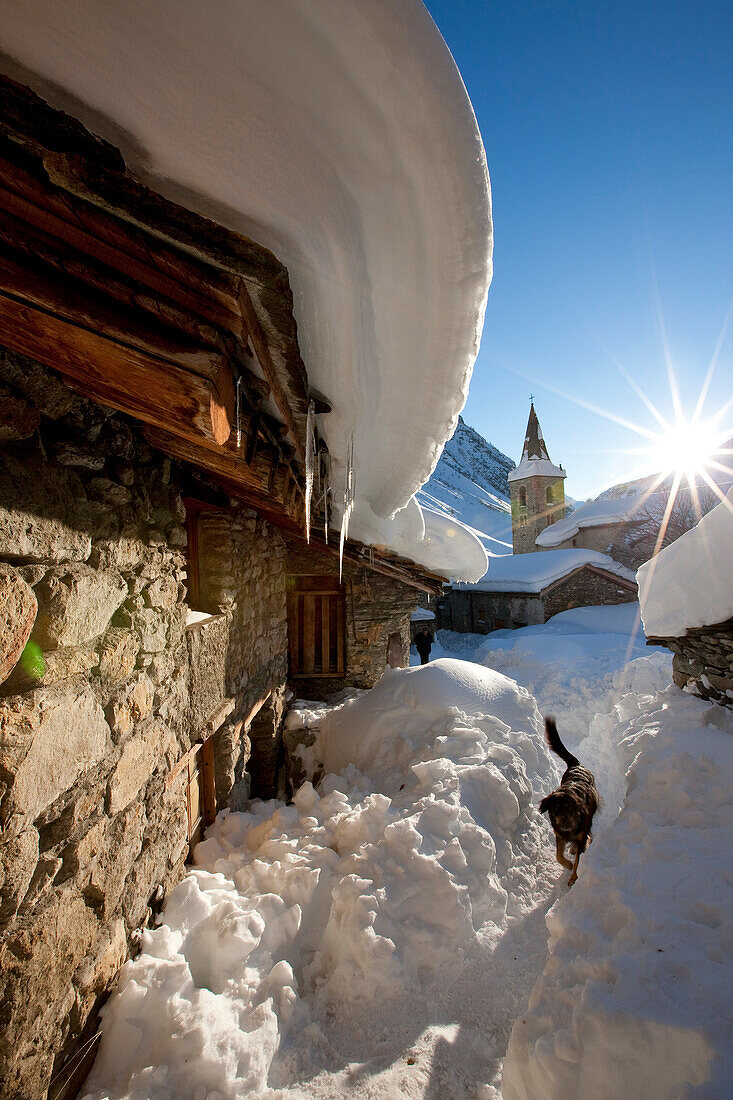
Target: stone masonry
703 661
104 687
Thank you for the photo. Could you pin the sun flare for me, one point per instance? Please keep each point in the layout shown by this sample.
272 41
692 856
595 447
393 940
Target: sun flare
687 448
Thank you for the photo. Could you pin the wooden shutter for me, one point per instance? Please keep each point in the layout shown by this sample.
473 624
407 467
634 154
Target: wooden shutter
316 626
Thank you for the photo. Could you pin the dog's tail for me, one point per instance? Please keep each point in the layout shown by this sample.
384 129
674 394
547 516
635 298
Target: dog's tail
553 740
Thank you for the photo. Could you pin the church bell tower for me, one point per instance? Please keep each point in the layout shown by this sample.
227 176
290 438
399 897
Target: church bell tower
536 489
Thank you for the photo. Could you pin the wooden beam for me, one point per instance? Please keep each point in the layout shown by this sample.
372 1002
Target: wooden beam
121 246
264 358
44 290
62 263
148 388
227 466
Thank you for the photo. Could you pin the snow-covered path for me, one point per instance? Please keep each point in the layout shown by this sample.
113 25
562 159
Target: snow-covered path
381 936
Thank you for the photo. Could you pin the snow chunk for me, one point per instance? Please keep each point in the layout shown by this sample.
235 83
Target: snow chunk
329 920
421 614
689 583
533 572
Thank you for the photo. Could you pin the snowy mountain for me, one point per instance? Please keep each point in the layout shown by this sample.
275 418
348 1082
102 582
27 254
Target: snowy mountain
470 484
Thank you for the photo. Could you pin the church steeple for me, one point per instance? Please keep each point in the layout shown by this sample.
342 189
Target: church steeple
534 444
536 488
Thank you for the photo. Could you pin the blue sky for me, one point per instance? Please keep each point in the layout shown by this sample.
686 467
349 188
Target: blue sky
607 129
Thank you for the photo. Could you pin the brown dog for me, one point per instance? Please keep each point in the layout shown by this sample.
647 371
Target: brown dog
571 807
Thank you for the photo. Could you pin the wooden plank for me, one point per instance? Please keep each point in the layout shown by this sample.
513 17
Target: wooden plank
293 634
309 637
317 582
326 634
265 360
340 635
208 783
65 297
150 389
121 246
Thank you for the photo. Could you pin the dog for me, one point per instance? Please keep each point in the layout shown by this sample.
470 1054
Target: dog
571 807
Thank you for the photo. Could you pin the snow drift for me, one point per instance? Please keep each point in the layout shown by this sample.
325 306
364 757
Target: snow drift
635 997
339 134
324 920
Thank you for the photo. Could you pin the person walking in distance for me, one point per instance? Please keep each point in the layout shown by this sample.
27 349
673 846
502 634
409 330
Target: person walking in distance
423 644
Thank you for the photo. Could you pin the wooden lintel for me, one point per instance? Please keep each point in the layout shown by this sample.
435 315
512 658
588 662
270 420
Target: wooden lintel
150 389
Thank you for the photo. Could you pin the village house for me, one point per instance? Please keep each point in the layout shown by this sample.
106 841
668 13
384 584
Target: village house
170 566
537 581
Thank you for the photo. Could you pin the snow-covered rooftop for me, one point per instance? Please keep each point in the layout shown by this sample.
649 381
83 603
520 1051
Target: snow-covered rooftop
339 135
533 572
690 582
594 513
422 615
535 467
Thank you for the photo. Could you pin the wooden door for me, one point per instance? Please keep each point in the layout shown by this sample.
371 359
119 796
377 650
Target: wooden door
316 627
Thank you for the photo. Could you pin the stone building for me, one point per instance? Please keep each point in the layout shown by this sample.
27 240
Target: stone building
536 490
156 587
523 590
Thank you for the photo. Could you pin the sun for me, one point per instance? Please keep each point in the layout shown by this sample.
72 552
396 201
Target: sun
686 448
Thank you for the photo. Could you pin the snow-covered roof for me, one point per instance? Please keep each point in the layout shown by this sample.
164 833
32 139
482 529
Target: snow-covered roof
421 615
535 467
594 513
690 583
341 137
534 572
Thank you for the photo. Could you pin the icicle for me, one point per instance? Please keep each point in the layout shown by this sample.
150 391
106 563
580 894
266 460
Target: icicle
310 450
238 411
348 504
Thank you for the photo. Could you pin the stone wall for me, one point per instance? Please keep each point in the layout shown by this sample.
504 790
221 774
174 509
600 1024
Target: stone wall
112 689
586 588
703 661
529 518
482 612
376 607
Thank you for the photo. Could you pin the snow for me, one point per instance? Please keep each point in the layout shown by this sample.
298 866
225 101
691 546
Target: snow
440 542
534 572
403 926
594 513
689 583
421 614
316 942
535 467
339 134
470 484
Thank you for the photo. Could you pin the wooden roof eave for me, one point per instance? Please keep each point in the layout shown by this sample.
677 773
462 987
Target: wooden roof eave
161 310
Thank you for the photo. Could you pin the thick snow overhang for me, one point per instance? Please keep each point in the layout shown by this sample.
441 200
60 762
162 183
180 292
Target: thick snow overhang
338 135
689 584
535 573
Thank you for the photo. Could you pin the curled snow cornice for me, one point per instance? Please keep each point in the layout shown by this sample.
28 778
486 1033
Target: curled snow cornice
338 134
